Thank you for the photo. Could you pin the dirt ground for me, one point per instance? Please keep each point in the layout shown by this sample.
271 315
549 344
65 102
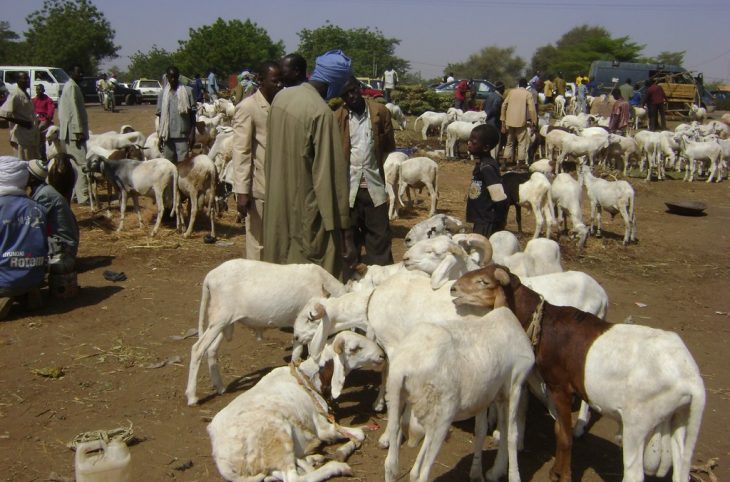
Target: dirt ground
109 338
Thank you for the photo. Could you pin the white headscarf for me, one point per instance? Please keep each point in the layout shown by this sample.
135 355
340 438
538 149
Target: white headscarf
13 176
183 106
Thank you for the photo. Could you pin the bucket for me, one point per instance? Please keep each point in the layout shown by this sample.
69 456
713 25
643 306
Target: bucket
98 461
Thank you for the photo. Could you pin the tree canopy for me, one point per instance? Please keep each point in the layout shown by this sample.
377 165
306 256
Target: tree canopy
577 48
665 57
150 65
9 45
67 32
227 46
371 52
492 63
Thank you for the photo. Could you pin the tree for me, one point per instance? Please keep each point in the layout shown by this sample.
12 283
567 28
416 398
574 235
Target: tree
577 48
67 32
492 63
150 65
9 45
665 57
371 52
228 47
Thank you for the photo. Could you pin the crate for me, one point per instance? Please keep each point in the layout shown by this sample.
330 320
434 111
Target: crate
679 92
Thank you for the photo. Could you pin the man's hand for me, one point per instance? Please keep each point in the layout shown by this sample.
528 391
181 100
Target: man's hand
242 201
349 252
504 129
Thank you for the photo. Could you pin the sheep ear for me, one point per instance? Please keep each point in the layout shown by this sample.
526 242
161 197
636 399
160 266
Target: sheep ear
338 376
316 346
502 276
441 275
338 345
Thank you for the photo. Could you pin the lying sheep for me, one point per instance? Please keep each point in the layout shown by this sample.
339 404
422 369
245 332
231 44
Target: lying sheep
257 294
434 226
115 140
271 429
503 244
541 256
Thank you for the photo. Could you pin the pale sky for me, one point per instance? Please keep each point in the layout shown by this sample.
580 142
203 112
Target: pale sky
433 33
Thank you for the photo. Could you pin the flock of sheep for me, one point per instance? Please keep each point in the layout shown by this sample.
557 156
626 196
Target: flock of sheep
459 326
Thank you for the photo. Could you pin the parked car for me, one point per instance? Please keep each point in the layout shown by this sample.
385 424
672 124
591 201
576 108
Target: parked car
483 87
122 95
149 89
52 78
368 90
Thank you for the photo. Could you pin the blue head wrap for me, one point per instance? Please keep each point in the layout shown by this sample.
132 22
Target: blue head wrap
333 68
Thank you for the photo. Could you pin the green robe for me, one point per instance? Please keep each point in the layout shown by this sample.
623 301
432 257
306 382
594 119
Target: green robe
307 184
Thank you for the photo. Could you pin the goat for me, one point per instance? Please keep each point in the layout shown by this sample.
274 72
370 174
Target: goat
259 295
271 428
612 196
135 178
643 377
441 388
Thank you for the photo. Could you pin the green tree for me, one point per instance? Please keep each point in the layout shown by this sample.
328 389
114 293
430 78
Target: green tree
371 52
9 44
577 48
227 46
492 63
666 57
150 65
67 32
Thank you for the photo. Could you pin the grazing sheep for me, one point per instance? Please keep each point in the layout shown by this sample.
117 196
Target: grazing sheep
567 194
397 114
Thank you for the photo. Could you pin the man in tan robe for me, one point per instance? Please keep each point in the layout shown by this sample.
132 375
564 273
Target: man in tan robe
306 206
74 129
249 153
518 109
18 109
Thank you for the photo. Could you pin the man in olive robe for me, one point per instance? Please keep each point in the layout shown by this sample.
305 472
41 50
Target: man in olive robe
306 208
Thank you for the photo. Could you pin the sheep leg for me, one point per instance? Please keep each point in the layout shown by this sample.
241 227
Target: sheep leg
434 194
432 442
633 436
518 217
122 209
627 224
584 416
538 220
159 199
212 209
327 471
597 211
213 369
379 403
193 213
561 471
199 348
481 425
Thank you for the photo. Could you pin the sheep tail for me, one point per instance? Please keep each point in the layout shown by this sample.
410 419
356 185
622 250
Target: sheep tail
415 123
204 302
175 198
694 418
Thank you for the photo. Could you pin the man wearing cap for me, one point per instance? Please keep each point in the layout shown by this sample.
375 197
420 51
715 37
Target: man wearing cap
306 206
23 246
18 109
63 231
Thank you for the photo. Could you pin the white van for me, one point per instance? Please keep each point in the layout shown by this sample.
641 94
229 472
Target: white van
52 78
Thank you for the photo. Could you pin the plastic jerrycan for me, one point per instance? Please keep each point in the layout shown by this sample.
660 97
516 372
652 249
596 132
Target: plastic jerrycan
111 464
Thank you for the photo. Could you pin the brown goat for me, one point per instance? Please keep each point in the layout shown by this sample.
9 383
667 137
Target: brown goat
605 364
61 174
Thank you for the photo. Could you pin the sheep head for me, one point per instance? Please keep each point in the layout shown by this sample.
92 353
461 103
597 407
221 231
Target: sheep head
477 246
483 288
351 351
436 257
307 325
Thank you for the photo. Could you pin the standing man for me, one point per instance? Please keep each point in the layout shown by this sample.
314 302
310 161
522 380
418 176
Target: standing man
366 129
176 109
306 208
198 89
212 85
627 90
249 154
390 80
44 111
559 84
18 109
620 113
493 109
74 129
548 90
654 103
460 95
293 70
517 105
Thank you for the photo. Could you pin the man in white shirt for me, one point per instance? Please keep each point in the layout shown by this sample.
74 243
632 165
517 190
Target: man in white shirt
390 80
367 136
18 109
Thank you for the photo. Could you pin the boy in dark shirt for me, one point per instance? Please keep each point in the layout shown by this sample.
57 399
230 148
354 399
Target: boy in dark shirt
486 204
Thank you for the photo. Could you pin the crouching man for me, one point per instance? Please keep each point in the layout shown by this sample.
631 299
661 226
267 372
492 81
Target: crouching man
23 247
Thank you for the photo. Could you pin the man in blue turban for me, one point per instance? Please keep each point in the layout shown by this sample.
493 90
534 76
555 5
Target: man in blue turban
306 206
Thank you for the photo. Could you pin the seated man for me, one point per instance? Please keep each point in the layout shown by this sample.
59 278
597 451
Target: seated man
23 246
63 232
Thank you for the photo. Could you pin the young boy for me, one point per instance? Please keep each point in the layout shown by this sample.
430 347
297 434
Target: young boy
486 205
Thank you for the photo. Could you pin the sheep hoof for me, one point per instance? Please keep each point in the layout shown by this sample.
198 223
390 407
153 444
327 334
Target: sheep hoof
192 401
383 441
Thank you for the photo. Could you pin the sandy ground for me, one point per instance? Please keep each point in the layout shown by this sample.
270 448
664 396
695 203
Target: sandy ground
107 339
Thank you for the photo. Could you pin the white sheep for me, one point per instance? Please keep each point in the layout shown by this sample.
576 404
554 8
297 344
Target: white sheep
391 168
115 140
151 147
581 121
580 146
197 181
559 106
612 196
697 152
567 193
504 244
536 194
441 388
626 146
640 115
417 173
472 116
433 119
455 132
434 226
444 258
697 113
544 166
649 144
260 296
271 429
541 256
397 115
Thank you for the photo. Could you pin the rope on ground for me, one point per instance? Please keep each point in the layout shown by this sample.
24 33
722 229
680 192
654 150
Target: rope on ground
124 434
